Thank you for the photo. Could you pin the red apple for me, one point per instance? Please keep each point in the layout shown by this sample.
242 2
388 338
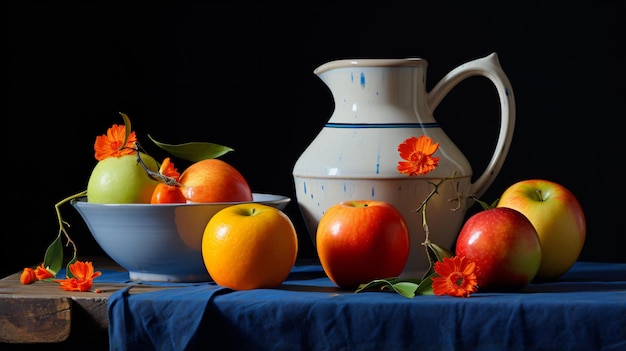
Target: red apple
361 240
558 218
505 246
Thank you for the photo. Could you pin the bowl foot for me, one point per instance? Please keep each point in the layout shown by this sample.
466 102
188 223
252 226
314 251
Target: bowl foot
170 278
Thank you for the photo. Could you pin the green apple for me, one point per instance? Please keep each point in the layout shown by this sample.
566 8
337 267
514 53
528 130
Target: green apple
558 218
121 180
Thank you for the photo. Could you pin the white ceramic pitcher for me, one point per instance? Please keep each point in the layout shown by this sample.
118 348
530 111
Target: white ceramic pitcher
378 104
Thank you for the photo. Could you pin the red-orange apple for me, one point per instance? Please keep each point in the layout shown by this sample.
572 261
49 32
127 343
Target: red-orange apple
504 245
558 218
214 180
358 241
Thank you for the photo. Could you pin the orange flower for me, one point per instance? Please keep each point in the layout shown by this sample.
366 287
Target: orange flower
168 169
418 155
457 277
83 277
28 276
43 273
110 145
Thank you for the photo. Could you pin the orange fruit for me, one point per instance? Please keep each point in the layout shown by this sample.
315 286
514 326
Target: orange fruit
167 194
214 180
249 246
164 193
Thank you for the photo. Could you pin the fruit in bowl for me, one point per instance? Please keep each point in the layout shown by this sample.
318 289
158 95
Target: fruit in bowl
158 242
213 180
209 180
150 218
122 180
147 216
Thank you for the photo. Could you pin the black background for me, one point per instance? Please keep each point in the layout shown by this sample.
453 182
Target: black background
241 75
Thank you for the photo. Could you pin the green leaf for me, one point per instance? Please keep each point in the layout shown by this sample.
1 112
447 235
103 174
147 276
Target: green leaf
53 259
485 205
194 151
438 251
68 272
127 129
405 287
377 283
426 286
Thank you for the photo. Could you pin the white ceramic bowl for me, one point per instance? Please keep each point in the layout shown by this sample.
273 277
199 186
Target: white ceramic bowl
158 242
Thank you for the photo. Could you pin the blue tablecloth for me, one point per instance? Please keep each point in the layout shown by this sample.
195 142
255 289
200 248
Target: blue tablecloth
583 310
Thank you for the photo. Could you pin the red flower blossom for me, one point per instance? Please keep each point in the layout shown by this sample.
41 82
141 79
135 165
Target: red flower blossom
84 275
28 276
457 277
43 273
110 145
417 153
167 169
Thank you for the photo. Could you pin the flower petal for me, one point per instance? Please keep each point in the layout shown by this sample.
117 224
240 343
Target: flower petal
28 276
417 153
456 277
110 145
43 273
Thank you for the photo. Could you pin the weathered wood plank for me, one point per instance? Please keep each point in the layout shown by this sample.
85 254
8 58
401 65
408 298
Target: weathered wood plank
41 312
35 319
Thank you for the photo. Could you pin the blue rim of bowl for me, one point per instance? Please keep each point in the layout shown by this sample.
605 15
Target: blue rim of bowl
262 198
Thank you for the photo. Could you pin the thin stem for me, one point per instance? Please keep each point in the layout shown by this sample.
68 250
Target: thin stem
62 223
426 229
434 191
69 198
425 225
155 175
422 208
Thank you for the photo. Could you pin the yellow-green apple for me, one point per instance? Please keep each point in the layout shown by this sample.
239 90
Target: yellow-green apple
358 241
558 218
504 245
121 180
214 180
249 246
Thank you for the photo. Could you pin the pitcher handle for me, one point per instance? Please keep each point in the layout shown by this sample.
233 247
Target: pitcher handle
489 67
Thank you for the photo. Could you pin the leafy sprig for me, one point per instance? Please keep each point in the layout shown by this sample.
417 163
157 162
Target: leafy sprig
458 276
